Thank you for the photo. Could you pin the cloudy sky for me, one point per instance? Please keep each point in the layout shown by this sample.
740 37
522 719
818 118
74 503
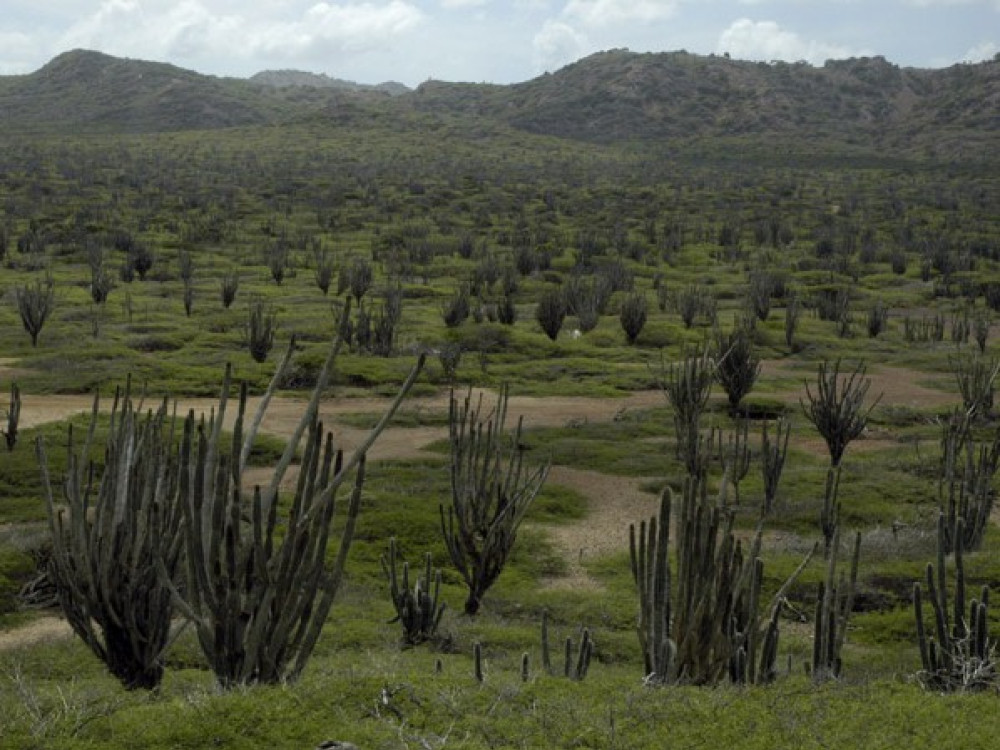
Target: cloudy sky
487 40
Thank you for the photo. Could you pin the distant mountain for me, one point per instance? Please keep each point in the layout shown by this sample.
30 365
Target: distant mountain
624 96
864 104
85 91
288 78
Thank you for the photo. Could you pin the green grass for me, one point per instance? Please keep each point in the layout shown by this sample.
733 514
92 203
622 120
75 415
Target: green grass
408 203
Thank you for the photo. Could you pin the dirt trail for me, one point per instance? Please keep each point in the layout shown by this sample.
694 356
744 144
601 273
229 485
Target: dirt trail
613 502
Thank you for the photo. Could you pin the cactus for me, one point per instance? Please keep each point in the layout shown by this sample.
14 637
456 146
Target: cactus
703 623
260 328
736 457
975 377
322 267
834 602
576 662
958 654
965 489
115 532
419 611
228 287
550 312
34 305
738 365
793 311
575 667
477 662
13 417
829 512
258 595
688 385
837 408
773 461
491 491
633 316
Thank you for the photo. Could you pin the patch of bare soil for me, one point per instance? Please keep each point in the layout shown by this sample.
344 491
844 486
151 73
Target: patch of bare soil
612 504
43 629
899 386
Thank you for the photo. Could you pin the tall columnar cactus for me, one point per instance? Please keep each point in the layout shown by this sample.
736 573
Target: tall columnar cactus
576 660
772 460
965 489
116 528
834 602
259 592
829 512
958 653
736 457
418 610
12 417
688 385
704 623
491 490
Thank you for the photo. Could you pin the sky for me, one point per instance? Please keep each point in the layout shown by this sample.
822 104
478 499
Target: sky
411 41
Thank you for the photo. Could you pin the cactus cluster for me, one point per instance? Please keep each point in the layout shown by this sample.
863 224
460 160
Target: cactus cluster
965 489
491 490
703 623
113 534
958 653
169 523
834 602
419 610
576 658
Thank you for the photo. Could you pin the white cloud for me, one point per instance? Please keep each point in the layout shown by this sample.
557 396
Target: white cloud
598 13
981 52
766 40
557 44
17 52
463 3
192 30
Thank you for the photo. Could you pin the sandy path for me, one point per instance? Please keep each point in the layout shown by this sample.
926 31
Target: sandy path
613 502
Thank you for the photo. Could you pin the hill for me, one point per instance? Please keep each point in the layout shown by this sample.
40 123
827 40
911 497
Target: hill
624 96
865 104
86 91
302 79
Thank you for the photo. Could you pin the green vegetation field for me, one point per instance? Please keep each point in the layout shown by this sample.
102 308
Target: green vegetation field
490 222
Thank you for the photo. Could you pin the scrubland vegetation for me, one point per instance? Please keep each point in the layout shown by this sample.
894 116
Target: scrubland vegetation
821 329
